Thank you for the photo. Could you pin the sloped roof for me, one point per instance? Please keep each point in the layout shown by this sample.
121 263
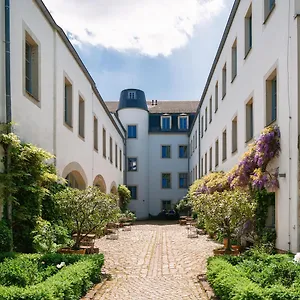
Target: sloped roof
163 106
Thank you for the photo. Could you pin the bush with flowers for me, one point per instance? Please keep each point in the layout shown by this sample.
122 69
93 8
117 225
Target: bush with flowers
211 196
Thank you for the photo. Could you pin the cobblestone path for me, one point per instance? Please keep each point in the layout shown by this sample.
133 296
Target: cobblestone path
154 261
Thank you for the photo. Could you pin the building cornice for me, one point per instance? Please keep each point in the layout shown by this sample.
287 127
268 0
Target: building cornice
77 58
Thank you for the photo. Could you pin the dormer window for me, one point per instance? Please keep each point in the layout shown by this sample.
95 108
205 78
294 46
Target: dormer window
183 123
131 94
165 122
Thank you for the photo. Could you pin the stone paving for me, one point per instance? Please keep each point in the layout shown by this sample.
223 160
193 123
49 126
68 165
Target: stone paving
154 261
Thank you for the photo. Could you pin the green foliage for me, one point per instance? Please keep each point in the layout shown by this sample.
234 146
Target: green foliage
26 184
71 282
225 211
86 211
124 197
184 205
5 237
49 238
255 275
127 215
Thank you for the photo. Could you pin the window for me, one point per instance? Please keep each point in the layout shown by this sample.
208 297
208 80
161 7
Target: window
234 135
224 141
210 109
249 120
205 164
72 182
196 174
120 160
210 159
132 164
183 180
202 168
95 133
131 131
111 149
216 97
271 101
166 151
216 153
104 142
268 7
165 122
183 149
248 31
166 204
224 81
234 61
31 67
183 122
131 94
68 103
205 118
116 155
81 117
196 140
166 180
202 125
133 192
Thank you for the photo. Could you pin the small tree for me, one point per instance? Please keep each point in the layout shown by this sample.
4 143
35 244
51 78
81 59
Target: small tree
86 211
124 197
226 211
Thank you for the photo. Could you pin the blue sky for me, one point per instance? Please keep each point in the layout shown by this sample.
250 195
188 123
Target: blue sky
159 46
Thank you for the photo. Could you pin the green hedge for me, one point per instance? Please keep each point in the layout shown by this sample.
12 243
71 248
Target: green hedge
234 282
71 282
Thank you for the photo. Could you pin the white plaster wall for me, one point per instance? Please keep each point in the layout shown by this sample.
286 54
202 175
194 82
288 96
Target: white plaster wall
139 148
43 124
173 165
270 44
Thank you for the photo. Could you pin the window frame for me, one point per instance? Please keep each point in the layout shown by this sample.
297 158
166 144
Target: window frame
68 102
136 130
165 116
81 126
136 160
185 186
168 152
271 114
131 92
95 134
234 61
104 142
186 147
268 9
224 81
249 120
136 191
182 117
216 96
234 135
170 179
224 145
248 24
217 158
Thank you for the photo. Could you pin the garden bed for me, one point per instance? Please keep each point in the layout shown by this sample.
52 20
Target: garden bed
256 276
51 276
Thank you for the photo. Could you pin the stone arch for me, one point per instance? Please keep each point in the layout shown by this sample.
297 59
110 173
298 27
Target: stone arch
100 182
75 175
113 188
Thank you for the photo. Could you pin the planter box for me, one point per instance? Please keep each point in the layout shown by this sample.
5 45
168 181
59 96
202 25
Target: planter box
71 251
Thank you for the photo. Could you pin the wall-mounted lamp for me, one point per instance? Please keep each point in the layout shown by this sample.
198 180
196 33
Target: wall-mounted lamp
282 175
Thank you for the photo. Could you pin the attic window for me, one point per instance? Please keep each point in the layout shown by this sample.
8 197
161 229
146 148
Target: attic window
165 122
131 94
183 122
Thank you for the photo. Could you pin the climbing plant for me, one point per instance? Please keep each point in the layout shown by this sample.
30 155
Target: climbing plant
124 197
27 183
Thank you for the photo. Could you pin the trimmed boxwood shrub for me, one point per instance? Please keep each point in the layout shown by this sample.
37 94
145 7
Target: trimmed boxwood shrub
271 277
71 282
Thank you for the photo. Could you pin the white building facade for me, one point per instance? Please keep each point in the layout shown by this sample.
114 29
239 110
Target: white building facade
54 101
254 82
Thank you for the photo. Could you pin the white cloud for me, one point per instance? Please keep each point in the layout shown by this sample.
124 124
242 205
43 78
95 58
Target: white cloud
150 27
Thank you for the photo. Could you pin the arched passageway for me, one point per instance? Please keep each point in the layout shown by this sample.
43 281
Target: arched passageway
100 182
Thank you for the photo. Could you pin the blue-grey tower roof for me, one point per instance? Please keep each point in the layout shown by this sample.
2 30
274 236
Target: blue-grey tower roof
133 98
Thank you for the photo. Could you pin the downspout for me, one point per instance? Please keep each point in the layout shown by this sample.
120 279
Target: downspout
199 145
7 65
8 109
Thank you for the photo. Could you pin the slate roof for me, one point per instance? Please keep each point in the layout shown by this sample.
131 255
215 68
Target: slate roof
163 106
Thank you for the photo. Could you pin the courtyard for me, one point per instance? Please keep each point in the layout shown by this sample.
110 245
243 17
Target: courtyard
155 260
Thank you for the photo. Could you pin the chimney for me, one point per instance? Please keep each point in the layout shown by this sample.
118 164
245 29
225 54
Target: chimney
152 102
155 102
